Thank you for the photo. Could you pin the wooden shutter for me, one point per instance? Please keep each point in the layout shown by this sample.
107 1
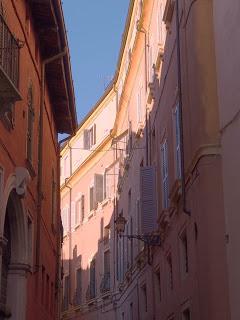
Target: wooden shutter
98 186
148 199
86 142
77 212
82 207
94 133
91 200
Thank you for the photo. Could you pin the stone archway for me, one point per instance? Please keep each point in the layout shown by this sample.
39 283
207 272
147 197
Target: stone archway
14 258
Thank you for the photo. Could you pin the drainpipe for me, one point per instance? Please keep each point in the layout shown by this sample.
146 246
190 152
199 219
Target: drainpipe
40 153
179 69
143 30
70 242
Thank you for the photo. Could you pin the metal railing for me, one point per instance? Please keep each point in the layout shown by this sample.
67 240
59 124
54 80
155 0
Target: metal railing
9 53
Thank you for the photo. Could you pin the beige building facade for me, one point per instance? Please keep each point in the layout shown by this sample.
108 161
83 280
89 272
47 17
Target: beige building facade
159 149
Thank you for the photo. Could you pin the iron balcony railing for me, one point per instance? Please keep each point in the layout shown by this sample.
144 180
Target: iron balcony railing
9 53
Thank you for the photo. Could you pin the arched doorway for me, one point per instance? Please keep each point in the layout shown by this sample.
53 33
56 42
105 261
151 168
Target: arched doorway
14 261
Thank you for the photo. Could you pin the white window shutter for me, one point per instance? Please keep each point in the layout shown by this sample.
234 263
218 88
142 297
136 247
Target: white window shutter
86 142
148 200
98 187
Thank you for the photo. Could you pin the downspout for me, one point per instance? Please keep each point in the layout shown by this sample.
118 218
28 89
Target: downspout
70 242
40 153
143 30
179 69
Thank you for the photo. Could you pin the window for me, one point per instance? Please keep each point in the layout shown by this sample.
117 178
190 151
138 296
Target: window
96 191
186 315
176 118
92 206
139 106
54 199
79 211
169 272
106 234
92 279
184 253
79 286
89 137
144 298
164 170
30 124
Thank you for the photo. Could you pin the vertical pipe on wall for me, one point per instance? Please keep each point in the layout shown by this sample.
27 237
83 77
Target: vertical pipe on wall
179 71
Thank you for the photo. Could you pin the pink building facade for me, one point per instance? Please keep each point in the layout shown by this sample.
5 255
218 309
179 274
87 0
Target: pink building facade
161 161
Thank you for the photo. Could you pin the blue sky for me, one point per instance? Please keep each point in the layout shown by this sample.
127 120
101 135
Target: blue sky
94 33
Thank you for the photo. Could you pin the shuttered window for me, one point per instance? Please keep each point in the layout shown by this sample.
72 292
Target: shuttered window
82 207
96 191
164 171
91 198
98 184
90 137
148 199
176 118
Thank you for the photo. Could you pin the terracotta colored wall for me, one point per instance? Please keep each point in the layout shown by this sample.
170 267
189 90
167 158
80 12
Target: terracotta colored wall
13 154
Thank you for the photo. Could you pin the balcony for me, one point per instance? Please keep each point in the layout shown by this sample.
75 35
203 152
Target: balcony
9 67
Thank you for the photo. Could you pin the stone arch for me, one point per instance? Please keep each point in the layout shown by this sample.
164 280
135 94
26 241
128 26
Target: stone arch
13 238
